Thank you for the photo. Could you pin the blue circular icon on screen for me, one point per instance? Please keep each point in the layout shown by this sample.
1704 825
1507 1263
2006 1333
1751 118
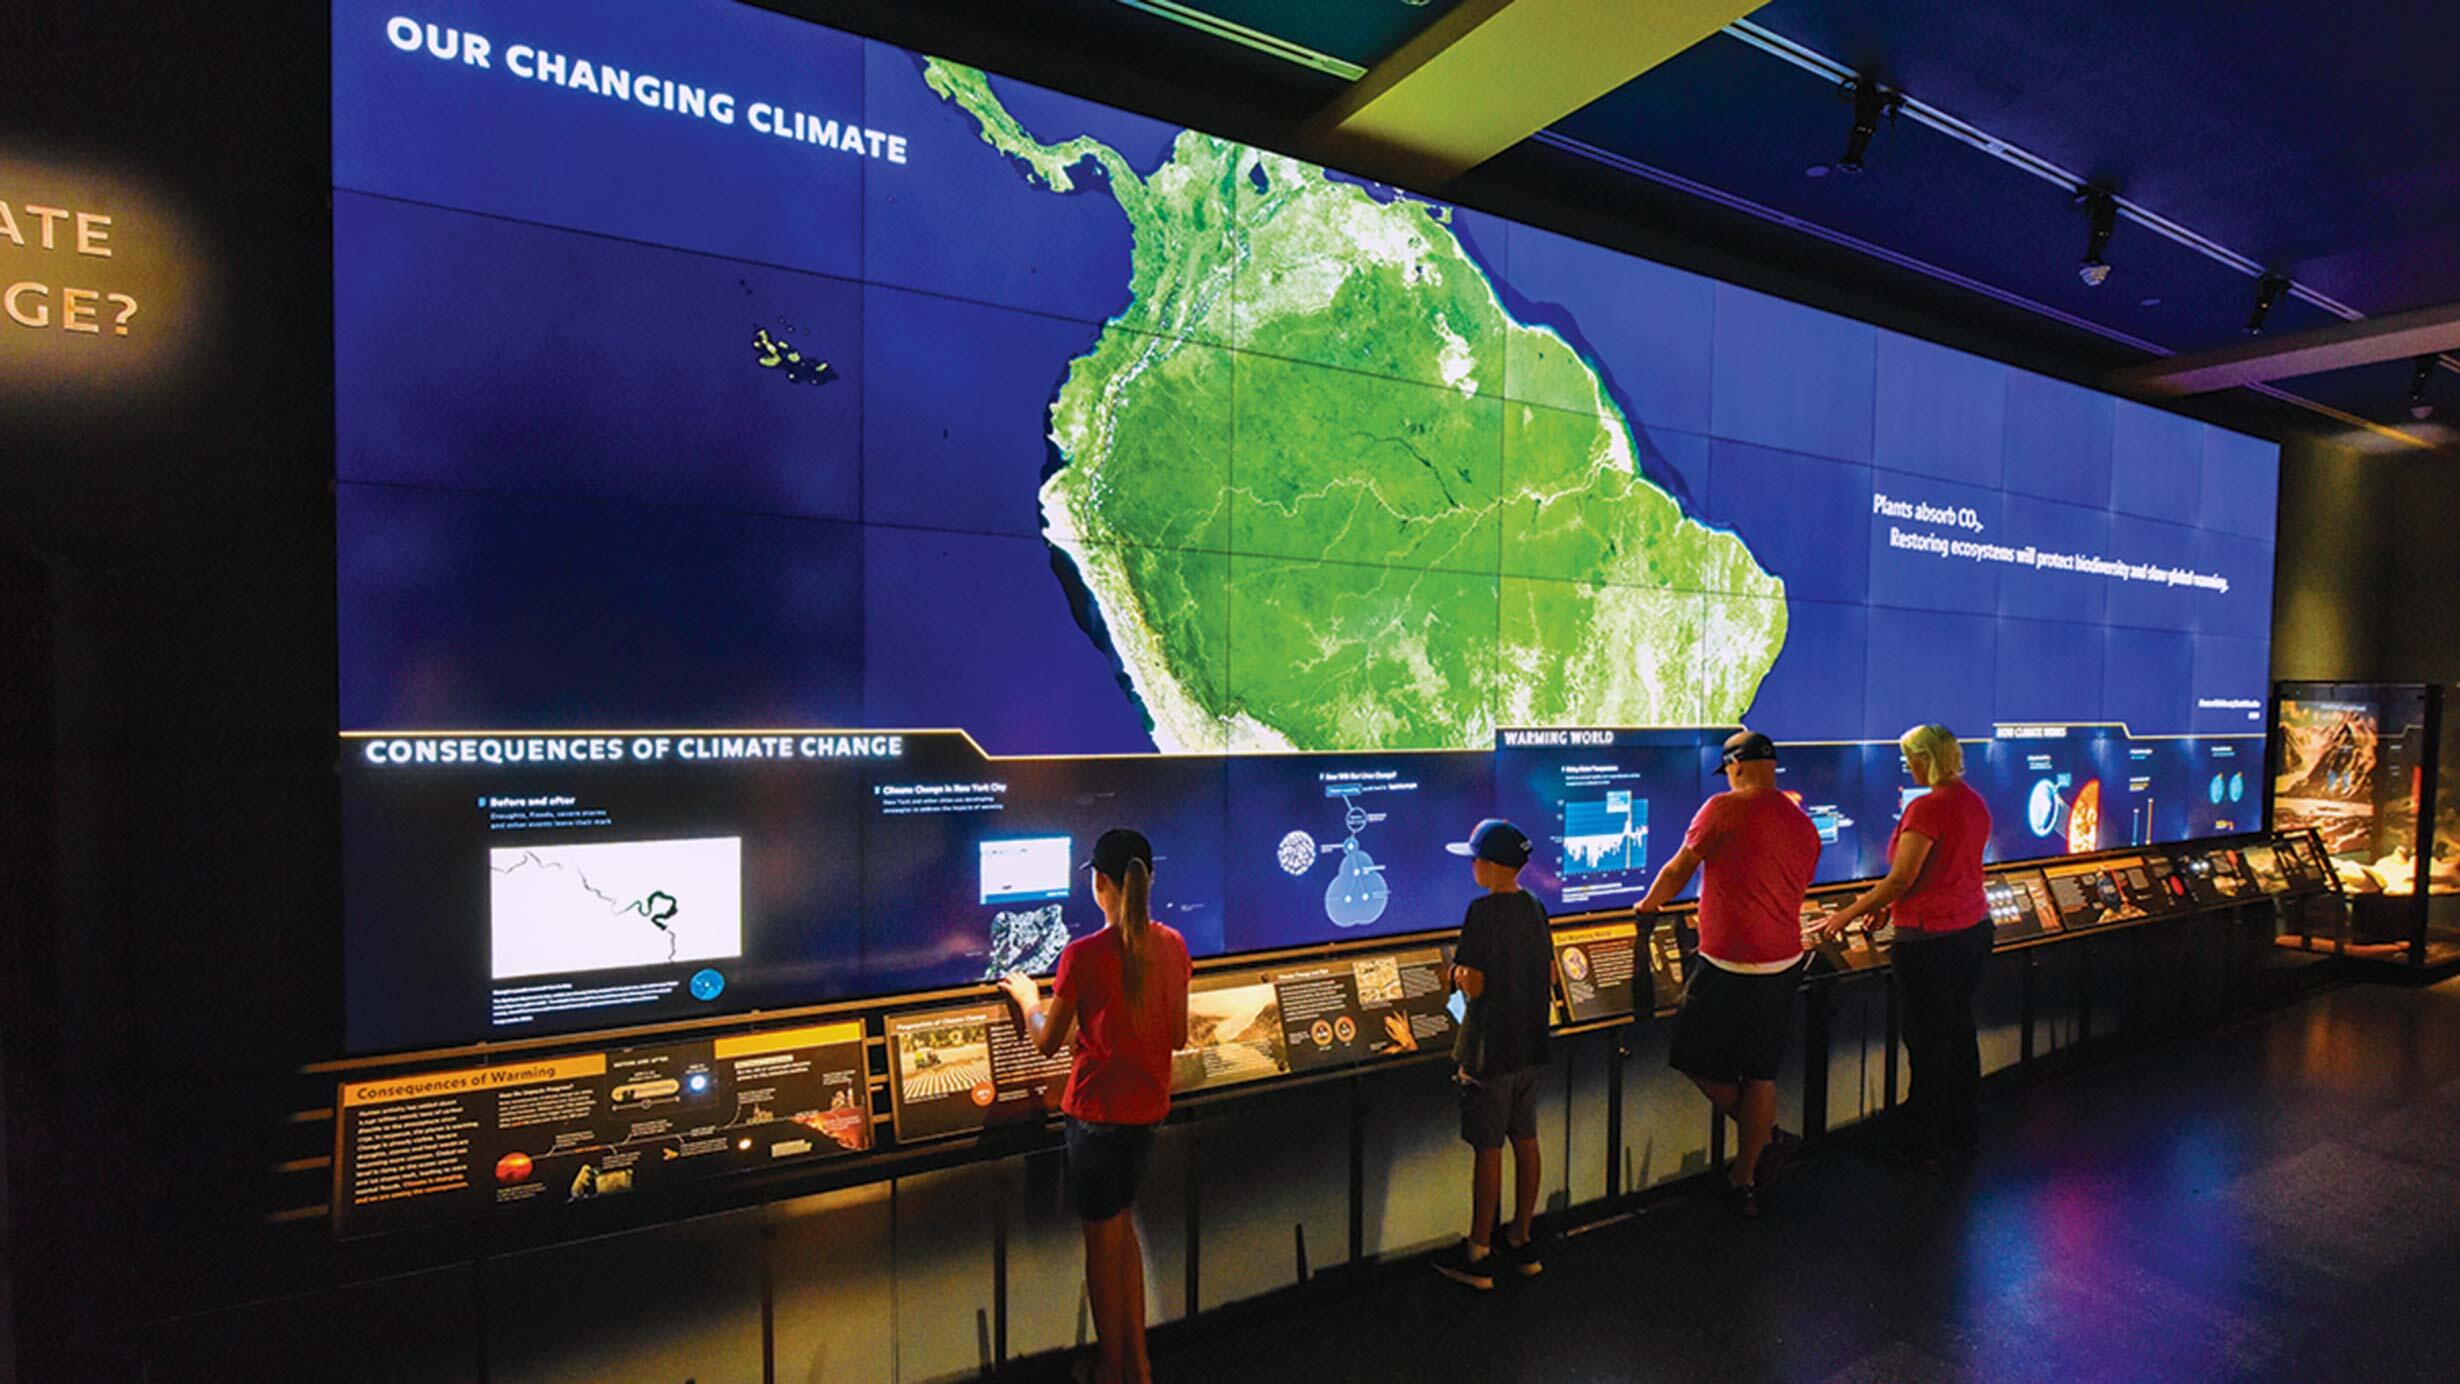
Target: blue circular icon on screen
707 984
2219 790
698 1081
2042 808
2237 788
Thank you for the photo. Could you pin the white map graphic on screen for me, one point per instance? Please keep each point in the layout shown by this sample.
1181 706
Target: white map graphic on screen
559 909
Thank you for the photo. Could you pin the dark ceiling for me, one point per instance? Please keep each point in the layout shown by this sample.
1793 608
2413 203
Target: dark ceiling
2316 141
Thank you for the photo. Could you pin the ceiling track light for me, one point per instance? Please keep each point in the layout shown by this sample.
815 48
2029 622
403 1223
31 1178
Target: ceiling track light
2419 375
1872 101
2268 290
2103 208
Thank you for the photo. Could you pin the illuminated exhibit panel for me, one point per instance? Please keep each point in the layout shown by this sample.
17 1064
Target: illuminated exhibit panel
579 1127
826 384
2351 764
2020 905
974 868
2301 865
2096 894
959 1069
1861 947
1328 848
1605 809
2216 875
2364 765
505 886
1607 969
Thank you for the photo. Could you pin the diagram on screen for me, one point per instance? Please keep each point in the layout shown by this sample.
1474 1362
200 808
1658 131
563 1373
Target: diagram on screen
2046 810
2140 822
2051 810
1029 870
559 909
1608 835
1358 893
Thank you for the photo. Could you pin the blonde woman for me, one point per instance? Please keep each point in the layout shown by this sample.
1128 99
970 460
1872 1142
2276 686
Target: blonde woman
1933 893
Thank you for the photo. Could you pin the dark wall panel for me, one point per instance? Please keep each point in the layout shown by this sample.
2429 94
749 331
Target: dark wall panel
2420 639
2329 616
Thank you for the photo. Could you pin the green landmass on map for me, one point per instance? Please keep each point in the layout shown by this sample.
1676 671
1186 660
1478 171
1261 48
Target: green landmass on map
1329 494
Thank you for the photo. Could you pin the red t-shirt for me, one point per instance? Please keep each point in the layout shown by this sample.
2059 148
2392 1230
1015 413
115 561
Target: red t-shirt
1121 1073
1760 849
1947 895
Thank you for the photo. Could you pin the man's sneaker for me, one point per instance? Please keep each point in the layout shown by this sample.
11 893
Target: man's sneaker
1523 1259
1478 1273
1781 1149
1743 1201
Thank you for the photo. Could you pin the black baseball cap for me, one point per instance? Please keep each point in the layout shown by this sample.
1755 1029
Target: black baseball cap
1495 840
1115 849
1746 745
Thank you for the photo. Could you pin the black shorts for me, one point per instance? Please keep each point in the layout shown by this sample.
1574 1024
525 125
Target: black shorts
1733 1026
1106 1163
1499 1107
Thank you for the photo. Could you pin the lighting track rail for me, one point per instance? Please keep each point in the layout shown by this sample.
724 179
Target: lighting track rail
1819 64
1965 132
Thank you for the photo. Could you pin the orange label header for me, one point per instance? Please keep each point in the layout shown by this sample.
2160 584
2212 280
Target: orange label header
428 1085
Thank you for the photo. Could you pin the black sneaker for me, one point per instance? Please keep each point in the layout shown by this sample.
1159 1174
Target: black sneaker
1781 1149
1478 1273
1522 1259
1743 1201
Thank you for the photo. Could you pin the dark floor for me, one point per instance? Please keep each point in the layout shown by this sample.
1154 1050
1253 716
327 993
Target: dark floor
2273 1201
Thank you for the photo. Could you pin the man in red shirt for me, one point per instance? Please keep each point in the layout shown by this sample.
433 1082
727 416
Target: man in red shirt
1738 1009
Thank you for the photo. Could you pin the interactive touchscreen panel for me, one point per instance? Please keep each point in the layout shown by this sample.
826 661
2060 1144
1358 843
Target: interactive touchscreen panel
2020 905
2264 868
822 485
2094 894
1861 947
2216 875
2301 866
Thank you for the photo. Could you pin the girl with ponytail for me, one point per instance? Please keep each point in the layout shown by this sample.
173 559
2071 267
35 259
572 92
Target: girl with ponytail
1135 922
1121 994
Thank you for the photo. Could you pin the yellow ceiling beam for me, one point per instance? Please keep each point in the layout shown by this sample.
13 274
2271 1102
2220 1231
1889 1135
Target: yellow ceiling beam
1491 73
2363 341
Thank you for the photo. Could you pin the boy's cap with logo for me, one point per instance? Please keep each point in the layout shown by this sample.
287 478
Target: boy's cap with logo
1495 840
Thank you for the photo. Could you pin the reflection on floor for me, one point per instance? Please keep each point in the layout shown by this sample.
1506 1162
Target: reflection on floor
2279 1200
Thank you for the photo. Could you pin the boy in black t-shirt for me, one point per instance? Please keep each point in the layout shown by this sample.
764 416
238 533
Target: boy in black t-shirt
1503 964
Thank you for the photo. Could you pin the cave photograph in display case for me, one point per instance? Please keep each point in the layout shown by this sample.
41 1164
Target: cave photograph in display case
2367 767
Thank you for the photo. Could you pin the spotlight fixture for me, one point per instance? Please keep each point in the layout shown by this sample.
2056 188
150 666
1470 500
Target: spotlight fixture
2419 374
2103 208
1871 101
2268 290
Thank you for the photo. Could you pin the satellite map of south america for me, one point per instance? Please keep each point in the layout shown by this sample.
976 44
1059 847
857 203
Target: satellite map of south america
1409 552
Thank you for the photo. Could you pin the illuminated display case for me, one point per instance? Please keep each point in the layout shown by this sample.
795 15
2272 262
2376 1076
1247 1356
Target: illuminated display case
2369 768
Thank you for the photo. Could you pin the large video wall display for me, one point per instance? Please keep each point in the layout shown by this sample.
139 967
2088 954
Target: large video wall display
819 485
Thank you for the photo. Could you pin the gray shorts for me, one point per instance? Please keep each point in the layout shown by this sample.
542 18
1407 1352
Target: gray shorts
1499 1107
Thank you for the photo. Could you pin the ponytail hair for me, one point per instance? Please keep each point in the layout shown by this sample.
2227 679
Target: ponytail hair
1135 923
